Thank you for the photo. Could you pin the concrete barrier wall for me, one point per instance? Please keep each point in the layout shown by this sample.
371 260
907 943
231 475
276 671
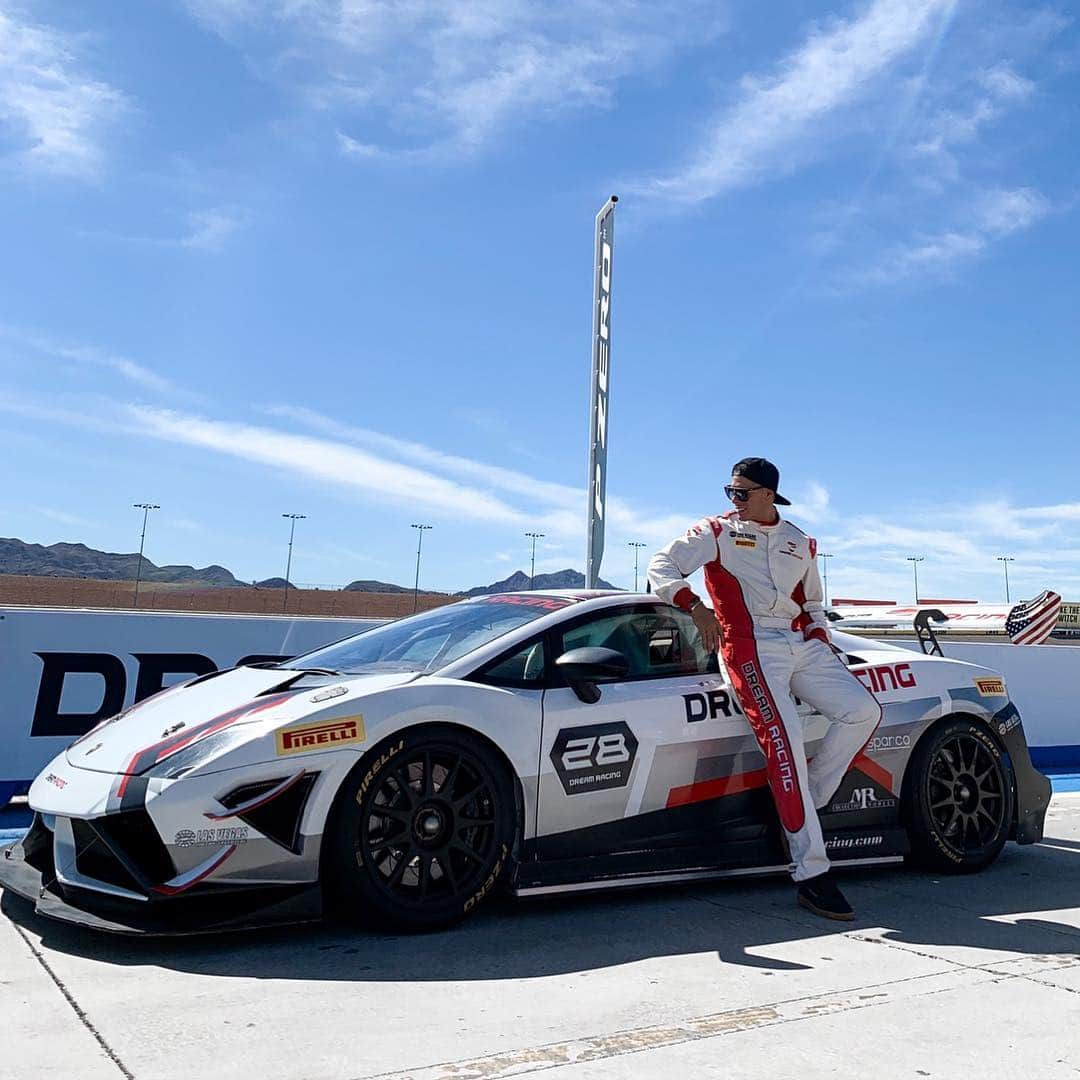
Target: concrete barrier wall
62 670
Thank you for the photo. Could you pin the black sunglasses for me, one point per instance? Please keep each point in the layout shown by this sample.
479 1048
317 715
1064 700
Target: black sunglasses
740 494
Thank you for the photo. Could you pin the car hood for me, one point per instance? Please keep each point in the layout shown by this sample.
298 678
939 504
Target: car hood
187 713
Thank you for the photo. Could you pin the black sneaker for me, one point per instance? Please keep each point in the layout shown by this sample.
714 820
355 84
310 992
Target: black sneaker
823 897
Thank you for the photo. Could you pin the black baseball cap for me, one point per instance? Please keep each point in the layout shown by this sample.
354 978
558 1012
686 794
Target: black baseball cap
762 472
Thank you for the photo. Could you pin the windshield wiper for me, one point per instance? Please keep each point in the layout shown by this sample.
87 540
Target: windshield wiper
318 671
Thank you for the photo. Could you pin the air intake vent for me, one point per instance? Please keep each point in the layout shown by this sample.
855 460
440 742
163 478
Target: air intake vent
279 818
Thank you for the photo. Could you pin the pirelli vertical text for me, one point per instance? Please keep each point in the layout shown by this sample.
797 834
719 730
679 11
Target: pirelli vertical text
598 399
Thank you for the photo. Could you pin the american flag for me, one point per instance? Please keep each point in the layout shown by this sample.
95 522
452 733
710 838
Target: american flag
1032 623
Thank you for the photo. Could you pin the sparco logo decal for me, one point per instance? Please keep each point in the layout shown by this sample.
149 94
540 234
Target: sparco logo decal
320 736
886 677
594 758
888 742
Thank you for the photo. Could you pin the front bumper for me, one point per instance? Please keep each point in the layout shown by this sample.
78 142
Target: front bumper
28 869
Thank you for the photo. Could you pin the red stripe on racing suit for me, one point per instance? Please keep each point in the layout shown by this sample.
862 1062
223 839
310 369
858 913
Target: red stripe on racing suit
739 650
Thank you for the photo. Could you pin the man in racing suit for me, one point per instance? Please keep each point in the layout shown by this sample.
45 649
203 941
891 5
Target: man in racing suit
769 619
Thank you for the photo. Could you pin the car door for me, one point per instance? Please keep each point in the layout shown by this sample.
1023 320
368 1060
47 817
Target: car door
612 773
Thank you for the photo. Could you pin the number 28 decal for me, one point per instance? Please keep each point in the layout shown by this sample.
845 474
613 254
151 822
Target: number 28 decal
594 758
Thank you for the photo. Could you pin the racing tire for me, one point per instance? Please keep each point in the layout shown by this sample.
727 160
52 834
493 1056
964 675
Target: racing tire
422 833
959 799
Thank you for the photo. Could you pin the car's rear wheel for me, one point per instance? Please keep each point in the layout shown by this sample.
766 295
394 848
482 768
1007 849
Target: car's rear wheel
959 798
423 831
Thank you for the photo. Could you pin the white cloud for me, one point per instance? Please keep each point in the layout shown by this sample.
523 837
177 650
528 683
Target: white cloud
1001 213
202 230
437 78
57 116
775 115
1005 84
961 544
324 460
373 464
63 517
89 356
961 547
994 216
494 476
813 505
998 88
209 229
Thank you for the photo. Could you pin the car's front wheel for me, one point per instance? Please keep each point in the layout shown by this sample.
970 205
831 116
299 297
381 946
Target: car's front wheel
959 798
423 831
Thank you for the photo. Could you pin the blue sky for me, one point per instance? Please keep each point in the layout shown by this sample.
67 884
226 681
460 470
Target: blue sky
334 258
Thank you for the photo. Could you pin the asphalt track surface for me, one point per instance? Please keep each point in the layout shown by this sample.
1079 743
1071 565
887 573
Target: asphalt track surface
939 976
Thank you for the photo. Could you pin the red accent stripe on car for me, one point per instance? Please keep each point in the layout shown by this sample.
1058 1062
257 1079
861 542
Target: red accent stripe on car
163 748
876 772
715 789
169 889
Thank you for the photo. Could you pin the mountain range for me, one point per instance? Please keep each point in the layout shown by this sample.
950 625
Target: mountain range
80 561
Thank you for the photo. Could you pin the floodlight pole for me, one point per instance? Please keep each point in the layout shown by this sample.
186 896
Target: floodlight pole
825 557
532 564
293 519
419 541
1005 560
145 508
915 560
637 546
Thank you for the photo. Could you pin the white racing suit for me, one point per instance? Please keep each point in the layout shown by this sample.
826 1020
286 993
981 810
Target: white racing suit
766 592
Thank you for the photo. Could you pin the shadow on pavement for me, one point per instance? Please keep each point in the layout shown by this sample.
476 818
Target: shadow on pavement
735 921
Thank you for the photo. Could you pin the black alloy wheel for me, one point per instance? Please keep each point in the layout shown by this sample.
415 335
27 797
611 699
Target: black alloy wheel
423 832
960 798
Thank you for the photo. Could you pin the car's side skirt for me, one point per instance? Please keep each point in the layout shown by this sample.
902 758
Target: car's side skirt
637 880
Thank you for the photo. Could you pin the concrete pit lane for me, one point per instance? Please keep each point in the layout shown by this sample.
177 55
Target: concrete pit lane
938 977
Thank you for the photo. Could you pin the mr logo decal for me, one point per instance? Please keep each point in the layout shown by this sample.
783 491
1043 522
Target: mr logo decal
594 758
858 794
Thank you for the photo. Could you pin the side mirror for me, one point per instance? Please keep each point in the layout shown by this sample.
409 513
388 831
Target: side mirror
584 668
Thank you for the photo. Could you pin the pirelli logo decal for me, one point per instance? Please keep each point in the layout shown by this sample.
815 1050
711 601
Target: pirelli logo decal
746 541
325 735
990 687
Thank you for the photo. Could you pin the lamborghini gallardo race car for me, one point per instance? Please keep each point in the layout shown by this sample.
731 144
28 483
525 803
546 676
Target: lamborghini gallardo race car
539 742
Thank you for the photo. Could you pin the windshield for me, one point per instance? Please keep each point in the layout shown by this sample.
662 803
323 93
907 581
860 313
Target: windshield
432 640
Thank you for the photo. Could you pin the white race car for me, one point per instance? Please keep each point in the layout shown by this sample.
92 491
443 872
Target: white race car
547 742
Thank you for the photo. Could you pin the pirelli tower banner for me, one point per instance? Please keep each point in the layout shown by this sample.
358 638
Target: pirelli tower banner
601 379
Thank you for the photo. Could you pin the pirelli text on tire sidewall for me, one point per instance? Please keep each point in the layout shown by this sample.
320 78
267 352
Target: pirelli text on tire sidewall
425 830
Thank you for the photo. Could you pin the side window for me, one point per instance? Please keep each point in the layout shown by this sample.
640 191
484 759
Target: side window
656 644
524 668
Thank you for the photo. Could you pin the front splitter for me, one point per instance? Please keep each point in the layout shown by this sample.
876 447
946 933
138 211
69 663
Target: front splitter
208 912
